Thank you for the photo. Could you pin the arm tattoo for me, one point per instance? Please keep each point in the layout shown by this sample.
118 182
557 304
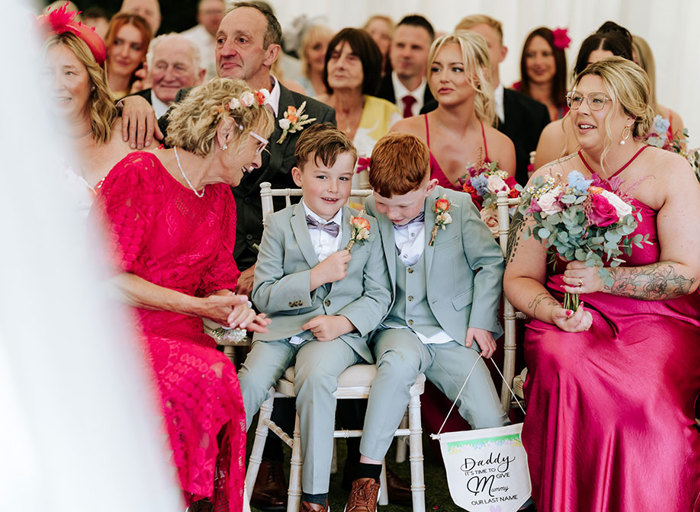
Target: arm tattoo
539 299
514 233
658 281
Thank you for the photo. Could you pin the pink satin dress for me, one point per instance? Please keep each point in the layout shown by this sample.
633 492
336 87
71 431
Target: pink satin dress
168 236
610 412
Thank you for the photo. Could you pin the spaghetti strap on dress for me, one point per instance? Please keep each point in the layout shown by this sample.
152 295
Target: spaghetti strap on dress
436 171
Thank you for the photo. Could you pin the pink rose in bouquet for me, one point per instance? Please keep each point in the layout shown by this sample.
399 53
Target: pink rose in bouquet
601 213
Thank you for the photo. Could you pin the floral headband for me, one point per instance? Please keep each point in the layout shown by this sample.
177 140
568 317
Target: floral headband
249 99
561 39
62 20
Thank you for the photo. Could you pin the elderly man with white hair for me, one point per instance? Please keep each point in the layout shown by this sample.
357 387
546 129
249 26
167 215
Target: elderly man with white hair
173 64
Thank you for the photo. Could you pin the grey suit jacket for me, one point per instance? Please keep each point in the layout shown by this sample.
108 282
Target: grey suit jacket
282 281
464 269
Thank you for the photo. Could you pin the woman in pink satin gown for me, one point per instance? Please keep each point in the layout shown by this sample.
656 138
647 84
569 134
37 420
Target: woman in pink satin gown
611 387
173 220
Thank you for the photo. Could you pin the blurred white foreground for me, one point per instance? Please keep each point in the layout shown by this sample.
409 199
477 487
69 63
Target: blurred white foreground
79 428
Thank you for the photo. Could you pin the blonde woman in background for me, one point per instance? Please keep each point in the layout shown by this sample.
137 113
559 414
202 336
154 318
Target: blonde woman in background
312 54
381 28
460 132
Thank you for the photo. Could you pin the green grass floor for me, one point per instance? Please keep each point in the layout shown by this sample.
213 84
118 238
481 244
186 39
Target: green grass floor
437 495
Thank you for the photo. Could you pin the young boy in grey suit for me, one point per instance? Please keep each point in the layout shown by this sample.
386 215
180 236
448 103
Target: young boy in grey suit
446 272
322 299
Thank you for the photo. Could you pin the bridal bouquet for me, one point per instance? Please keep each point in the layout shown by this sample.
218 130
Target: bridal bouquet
483 182
580 221
658 137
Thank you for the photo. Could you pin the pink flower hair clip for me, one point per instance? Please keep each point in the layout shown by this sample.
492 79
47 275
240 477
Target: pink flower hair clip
561 38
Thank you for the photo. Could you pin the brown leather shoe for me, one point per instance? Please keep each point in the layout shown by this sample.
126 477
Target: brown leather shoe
399 490
307 506
363 496
270 491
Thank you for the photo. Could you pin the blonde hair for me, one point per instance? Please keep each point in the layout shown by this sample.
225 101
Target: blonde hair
381 17
469 22
312 34
475 57
193 122
628 86
100 106
642 55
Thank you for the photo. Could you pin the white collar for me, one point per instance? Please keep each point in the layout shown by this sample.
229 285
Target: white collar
498 96
338 218
159 107
275 96
400 89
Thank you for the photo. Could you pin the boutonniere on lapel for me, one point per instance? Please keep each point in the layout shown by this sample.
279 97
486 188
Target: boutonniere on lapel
294 121
442 217
359 231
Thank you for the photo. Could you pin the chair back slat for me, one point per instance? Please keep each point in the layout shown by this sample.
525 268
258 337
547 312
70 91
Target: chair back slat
504 203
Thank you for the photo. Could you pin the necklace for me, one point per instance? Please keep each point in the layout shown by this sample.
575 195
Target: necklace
179 166
580 154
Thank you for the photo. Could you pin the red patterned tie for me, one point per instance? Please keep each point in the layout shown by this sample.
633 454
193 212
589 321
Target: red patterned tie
408 102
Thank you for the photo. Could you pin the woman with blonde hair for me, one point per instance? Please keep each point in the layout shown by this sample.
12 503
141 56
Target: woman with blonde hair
312 54
173 221
74 55
460 132
623 370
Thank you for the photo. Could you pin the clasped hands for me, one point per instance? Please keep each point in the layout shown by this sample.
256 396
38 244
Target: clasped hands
232 311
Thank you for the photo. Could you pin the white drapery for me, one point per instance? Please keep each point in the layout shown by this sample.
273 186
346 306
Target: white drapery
80 428
670 27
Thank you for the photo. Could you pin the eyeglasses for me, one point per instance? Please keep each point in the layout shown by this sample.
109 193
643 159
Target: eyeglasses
595 100
262 140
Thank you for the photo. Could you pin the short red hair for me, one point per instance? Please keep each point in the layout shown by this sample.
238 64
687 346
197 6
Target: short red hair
400 164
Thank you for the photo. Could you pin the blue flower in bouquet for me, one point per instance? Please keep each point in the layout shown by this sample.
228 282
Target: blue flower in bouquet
661 125
578 183
481 184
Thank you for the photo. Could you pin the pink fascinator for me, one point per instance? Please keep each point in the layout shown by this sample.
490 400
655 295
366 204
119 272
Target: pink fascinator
561 38
62 20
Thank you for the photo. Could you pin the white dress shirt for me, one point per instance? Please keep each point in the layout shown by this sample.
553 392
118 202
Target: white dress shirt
410 242
275 96
206 44
324 245
400 91
159 107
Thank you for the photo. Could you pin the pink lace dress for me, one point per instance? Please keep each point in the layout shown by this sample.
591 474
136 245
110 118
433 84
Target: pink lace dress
167 235
610 412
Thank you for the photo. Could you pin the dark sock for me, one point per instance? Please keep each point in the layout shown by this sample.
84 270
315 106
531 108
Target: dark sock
319 499
363 470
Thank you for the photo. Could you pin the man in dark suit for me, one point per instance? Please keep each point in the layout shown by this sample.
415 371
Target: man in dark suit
520 117
406 85
248 44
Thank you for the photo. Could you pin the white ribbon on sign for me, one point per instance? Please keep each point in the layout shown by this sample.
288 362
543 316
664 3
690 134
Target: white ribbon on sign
487 468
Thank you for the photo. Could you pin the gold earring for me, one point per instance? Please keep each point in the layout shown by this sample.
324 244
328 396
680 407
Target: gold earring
626 132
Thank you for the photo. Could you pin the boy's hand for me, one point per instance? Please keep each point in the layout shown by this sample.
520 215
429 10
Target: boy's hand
332 269
484 338
327 328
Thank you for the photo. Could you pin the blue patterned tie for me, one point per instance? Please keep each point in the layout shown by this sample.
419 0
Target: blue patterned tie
331 228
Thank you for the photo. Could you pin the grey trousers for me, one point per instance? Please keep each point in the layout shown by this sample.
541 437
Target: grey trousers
401 357
317 365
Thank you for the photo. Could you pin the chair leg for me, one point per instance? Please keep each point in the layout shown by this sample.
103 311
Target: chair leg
401 442
261 431
246 500
294 496
383 486
416 454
